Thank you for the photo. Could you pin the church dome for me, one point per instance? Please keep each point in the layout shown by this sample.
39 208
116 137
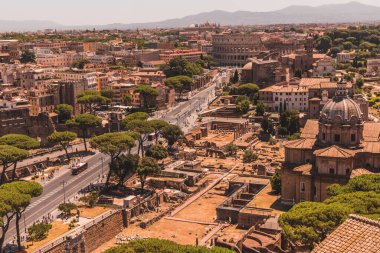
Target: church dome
341 110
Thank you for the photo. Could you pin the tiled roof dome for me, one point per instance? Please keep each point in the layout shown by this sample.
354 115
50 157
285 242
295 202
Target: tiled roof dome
341 110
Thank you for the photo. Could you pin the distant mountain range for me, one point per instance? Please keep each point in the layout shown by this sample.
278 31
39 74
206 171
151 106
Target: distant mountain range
332 13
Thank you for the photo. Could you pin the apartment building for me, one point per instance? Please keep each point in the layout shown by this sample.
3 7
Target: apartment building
282 97
189 55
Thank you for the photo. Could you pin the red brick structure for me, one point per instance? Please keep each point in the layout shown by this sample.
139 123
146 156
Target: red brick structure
329 151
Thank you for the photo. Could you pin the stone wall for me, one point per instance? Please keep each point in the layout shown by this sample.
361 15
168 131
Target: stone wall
108 229
87 238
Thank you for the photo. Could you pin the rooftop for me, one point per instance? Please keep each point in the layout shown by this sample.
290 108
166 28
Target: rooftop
356 234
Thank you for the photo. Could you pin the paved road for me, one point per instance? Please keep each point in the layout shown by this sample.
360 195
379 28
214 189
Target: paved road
54 192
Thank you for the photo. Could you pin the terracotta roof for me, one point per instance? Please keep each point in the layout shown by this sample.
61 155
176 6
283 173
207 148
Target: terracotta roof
371 147
311 129
371 131
313 81
359 172
328 85
356 234
334 151
285 88
301 144
305 169
319 56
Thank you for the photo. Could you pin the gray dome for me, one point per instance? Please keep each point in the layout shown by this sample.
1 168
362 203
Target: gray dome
341 110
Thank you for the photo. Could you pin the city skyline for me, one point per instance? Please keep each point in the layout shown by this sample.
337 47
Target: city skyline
117 11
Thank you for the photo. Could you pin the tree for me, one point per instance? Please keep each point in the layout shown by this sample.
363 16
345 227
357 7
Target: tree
298 73
143 128
324 44
127 99
66 208
157 152
241 98
90 199
206 62
363 203
10 202
8 156
158 125
180 84
19 141
367 45
27 56
79 64
260 109
136 116
84 122
125 166
181 67
172 133
348 45
275 182
363 183
243 106
148 96
27 190
359 83
311 222
249 156
235 77
64 139
39 231
64 112
334 51
267 125
290 121
113 144
91 98
107 94
231 149
147 166
295 136
162 246
249 89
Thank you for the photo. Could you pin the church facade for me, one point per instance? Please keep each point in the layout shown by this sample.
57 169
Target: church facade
331 150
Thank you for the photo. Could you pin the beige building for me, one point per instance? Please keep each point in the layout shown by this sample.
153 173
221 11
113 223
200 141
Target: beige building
282 97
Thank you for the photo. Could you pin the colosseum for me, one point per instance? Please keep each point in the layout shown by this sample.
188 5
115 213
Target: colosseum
235 49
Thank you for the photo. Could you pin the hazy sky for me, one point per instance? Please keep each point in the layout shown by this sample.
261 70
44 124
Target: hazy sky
81 12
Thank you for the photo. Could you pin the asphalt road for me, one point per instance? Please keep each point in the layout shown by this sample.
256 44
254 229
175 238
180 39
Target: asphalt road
54 192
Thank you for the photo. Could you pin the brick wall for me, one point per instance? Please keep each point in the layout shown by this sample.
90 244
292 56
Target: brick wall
103 231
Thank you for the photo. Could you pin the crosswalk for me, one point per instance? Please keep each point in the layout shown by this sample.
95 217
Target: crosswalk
69 182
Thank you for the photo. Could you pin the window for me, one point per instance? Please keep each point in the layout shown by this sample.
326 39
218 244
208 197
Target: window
347 172
315 191
302 189
323 136
337 138
331 171
353 137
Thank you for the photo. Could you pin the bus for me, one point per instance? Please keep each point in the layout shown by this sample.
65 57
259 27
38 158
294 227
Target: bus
78 168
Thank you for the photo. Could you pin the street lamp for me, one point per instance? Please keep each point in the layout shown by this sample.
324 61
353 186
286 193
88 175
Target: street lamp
64 191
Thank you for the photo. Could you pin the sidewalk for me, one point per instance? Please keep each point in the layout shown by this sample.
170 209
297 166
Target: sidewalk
55 154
